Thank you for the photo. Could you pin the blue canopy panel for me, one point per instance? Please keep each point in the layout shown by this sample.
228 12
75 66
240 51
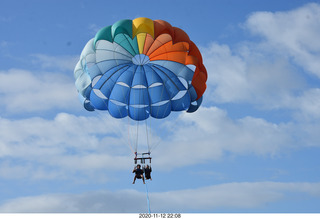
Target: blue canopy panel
195 105
139 103
185 72
102 89
176 68
98 100
178 92
117 109
158 95
139 78
161 110
139 96
86 103
139 112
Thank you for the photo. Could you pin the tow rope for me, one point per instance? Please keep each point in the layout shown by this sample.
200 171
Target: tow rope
148 201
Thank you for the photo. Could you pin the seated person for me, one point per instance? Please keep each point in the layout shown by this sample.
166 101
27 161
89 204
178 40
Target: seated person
138 173
147 172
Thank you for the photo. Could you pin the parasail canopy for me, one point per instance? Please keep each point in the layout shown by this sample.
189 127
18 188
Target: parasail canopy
140 68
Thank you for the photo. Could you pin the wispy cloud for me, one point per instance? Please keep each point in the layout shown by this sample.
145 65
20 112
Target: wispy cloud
65 144
64 63
73 144
26 91
294 33
212 133
236 78
242 196
274 71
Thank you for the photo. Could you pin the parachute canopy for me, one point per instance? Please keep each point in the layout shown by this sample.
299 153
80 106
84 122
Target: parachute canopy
140 68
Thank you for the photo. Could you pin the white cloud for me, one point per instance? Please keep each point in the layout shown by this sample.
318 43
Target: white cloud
226 74
237 77
308 104
273 72
68 144
24 91
294 33
60 147
241 196
211 133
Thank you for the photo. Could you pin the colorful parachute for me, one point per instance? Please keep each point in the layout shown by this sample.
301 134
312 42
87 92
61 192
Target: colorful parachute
141 68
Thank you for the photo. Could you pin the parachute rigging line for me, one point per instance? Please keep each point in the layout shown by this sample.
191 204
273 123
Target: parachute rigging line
103 117
147 134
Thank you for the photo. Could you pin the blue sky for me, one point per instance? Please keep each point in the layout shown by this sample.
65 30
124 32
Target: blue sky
253 146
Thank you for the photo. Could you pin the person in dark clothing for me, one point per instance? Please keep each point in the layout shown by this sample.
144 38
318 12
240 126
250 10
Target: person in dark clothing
147 172
138 174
